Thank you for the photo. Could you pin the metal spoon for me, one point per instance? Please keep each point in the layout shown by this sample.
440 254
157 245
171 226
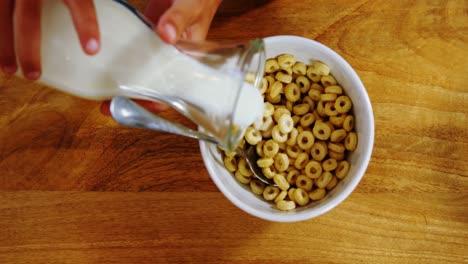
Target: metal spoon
128 113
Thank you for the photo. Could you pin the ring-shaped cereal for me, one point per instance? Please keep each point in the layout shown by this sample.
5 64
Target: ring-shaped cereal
334 89
283 77
337 120
267 123
259 149
252 136
319 151
317 194
329 164
273 100
342 169
286 157
307 100
305 140
257 186
281 162
266 134
350 142
270 80
338 135
313 169
321 68
321 108
330 109
286 205
264 86
270 148
335 155
286 60
279 112
279 136
230 163
291 193
276 89
321 130
270 192
292 92
286 70
293 151
292 136
304 84
241 178
348 123
336 147
265 162
315 94
301 109
285 123
307 120
323 180
343 104
243 168
269 172
281 182
271 65
328 80
268 109
281 196
292 176
301 160
301 197
299 68
332 183
327 97
313 74
242 143
305 183
230 154
318 87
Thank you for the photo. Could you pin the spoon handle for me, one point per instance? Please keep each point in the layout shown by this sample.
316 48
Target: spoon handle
128 113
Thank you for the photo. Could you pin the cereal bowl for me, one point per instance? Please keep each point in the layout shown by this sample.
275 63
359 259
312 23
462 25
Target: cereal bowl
306 51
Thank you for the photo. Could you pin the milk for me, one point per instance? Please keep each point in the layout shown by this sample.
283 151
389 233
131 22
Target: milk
133 61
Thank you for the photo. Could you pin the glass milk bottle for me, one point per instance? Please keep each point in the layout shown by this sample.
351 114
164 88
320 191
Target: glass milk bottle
205 82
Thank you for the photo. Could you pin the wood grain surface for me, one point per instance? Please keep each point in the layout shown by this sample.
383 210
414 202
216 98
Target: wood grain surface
77 188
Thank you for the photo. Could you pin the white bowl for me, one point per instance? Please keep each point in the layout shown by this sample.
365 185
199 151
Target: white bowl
307 51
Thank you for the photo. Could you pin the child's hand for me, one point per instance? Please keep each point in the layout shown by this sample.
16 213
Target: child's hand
186 19
174 20
26 32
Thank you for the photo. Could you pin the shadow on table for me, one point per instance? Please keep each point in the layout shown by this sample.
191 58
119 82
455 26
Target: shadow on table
235 8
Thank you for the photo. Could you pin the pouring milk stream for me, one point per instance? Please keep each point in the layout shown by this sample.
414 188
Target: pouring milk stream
134 62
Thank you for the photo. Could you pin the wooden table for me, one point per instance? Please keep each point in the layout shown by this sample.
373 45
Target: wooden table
77 188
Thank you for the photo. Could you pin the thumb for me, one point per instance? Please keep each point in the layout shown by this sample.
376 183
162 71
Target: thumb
177 19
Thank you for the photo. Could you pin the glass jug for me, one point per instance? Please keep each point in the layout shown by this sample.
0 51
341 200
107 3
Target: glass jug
214 85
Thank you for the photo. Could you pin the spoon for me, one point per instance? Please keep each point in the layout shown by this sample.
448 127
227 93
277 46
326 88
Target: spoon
128 113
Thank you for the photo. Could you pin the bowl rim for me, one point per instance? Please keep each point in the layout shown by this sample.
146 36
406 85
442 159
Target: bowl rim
351 185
